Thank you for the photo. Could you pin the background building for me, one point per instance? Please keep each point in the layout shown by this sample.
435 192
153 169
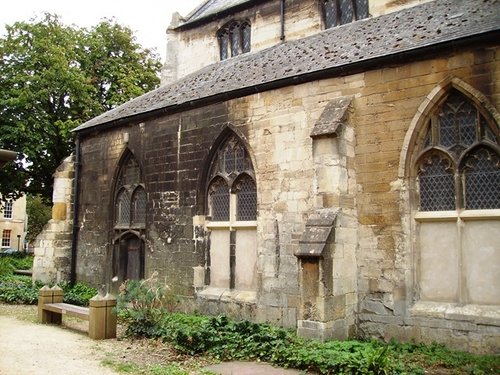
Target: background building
13 224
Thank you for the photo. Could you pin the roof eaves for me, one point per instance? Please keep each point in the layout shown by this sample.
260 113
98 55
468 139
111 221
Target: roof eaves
223 80
190 22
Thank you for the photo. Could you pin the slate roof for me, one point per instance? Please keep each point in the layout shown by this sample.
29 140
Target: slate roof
435 24
211 8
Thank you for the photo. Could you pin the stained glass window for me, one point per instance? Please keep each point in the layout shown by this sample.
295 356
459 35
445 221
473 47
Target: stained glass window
123 208
436 185
231 172
130 201
224 45
246 37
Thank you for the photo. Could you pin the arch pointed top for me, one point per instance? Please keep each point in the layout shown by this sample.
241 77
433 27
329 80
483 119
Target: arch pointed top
432 103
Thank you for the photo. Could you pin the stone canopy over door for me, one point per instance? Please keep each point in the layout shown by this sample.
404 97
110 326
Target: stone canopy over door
457 178
129 221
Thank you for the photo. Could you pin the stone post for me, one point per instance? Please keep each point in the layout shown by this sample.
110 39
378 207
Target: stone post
44 296
57 297
49 295
102 319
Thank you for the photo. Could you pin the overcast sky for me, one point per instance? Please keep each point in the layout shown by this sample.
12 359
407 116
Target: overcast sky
147 18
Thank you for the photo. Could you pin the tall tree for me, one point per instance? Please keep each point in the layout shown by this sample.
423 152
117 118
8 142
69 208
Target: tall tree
39 213
54 77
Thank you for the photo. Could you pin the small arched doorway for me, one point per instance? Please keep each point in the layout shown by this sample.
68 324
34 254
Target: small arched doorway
128 257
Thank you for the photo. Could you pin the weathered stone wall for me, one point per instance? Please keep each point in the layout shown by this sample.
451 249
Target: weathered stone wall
379 7
191 49
372 254
53 245
171 152
387 258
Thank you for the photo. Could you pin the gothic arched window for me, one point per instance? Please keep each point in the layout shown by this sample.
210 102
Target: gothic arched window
463 170
232 173
231 218
129 223
457 214
130 199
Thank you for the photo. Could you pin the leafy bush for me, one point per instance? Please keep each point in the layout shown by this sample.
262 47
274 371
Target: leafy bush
143 304
78 294
13 262
416 356
146 307
17 289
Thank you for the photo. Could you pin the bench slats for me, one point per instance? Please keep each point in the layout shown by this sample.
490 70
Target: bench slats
65 308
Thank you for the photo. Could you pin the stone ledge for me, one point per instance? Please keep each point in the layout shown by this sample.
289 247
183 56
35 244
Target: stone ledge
226 295
476 314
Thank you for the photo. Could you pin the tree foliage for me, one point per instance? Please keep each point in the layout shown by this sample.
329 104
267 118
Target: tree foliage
39 213
54 77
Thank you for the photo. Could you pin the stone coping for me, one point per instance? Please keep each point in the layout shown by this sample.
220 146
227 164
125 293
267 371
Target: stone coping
227 295
479 314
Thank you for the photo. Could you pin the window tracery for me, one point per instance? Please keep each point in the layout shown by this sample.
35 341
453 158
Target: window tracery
130 201
232 173
459 132
232 218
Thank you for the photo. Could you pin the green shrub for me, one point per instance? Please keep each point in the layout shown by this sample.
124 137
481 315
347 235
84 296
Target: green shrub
146 307
227 339
143 305
416 356
19 290
78 294
13 262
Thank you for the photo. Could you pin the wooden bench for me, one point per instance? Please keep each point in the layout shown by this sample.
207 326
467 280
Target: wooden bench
100 314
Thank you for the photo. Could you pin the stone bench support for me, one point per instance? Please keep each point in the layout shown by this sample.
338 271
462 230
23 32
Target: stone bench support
102 319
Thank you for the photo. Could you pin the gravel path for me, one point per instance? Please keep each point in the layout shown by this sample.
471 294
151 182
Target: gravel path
34 349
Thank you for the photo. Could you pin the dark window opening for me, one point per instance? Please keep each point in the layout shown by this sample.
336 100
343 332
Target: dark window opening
246 203
340 12
131 199
128 258
234 39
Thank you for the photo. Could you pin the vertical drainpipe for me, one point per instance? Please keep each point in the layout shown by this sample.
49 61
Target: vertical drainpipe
76 205
282 18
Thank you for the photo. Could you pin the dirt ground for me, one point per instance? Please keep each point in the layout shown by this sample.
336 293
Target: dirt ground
29 348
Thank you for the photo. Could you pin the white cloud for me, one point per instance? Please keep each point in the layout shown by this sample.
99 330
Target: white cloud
149 19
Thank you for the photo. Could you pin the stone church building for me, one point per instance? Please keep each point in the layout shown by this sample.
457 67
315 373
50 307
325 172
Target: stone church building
327 165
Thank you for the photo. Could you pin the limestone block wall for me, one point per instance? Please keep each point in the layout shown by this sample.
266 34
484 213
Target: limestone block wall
360 173
379 7
53 245
190 49
193 48
388 253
